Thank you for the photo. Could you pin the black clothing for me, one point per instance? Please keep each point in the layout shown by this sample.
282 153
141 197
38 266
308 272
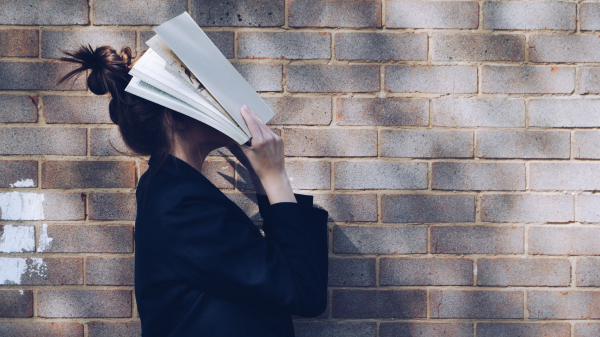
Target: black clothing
202 267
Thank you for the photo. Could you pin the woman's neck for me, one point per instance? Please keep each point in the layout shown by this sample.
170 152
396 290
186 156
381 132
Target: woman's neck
193 155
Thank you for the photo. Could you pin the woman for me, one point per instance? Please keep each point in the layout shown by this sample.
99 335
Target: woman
202 268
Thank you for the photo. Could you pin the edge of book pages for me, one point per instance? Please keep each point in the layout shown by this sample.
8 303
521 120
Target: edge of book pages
184 71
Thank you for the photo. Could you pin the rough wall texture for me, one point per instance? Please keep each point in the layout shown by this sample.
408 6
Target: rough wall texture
454 143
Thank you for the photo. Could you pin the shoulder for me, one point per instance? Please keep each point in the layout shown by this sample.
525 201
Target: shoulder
166 191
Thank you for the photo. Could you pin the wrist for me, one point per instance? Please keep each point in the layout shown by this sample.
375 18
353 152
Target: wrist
278 188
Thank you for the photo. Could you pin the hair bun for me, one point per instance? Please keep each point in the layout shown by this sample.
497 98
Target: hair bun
109 69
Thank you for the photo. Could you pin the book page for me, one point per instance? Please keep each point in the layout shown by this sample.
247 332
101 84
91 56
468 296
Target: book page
140 88
151 68
212 69
177 66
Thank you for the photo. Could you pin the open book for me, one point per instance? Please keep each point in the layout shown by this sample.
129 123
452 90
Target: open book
185 72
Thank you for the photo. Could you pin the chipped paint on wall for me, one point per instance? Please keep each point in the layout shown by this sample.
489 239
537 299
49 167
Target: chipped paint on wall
23 183
17 239
12 269
21 206
45 241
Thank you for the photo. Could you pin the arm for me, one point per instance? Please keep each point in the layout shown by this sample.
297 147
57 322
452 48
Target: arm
264 208
229 259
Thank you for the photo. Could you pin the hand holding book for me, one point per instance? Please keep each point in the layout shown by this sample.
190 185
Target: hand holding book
264 159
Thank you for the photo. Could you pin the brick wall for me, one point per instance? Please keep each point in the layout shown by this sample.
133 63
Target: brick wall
454 143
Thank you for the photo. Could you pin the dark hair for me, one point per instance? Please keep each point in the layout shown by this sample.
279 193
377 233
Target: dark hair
143 124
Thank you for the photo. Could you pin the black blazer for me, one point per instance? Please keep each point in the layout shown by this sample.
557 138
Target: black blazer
202 267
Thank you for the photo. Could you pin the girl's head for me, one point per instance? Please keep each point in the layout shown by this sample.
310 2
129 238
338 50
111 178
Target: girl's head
147 128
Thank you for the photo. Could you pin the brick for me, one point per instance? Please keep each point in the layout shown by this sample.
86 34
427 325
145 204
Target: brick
351 272
426 143
587 329
59 141
378 111
413 329
53 41
17 239
477 240
136 12
433 79
589 80
86 239
112 206
221 152
88 174
425 272
38 76
109 271
379 304
300 110
523 144
476 304
108 329
589 208
590 16
84 303
564 48
40 272
332 78
247 202
45 12
284 45
261 13
302 175
108 142
527 208
330 143
41 206
332 13
468 112
432 14
588 272
223 40
18 109
523 272
262 77
19 42
18 173
381 46
380 175
564 113
379 240
478 177
16 304
220 173
559 176
348 207
478 47
428 208
563 304
527 79
76 110
523 329
555 240
54 329
529 15
332 328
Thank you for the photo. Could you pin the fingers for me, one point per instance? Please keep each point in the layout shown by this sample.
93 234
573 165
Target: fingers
264 128
253 125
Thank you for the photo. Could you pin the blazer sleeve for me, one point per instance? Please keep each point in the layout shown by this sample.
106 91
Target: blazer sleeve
264 208
229 259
